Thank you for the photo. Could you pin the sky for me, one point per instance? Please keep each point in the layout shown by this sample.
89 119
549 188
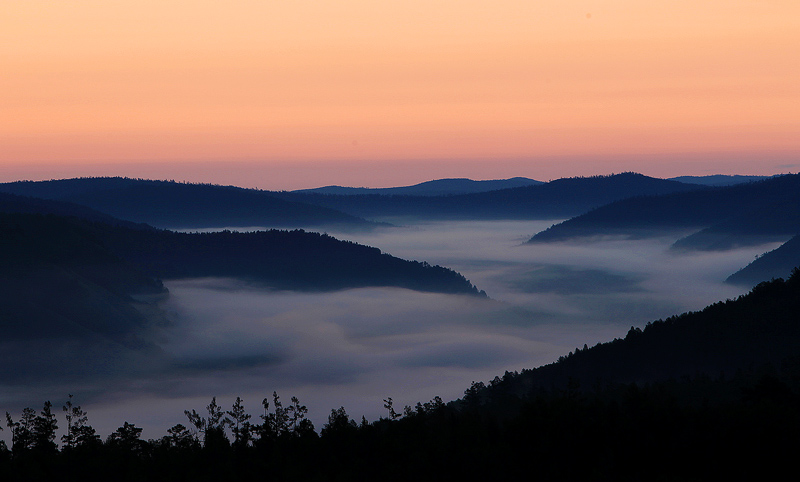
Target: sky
286 95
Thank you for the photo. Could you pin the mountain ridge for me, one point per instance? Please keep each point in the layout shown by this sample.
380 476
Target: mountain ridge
552 200
169 204
435 187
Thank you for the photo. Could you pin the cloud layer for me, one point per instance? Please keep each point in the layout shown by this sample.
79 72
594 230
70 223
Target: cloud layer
356 347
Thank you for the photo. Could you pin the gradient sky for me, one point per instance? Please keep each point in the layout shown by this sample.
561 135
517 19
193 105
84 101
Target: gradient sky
285 95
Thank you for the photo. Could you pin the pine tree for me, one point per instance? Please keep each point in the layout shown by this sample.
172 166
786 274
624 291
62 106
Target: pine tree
22 431
239 422
44 429
76 421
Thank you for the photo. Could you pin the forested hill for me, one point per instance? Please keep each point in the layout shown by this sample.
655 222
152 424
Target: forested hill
437 187
774 264
555 199
759 329
176 205
292 260
735 215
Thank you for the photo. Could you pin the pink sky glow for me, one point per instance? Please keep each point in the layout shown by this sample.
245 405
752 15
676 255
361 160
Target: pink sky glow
285 95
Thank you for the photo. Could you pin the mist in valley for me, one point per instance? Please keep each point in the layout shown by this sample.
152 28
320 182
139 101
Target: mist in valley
353 348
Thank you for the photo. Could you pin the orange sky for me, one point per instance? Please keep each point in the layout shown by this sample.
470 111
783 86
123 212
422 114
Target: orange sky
303 93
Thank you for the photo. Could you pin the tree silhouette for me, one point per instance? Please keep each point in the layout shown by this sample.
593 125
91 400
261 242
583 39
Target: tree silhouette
76 424
126 439
44 429
212 427
239 423
22 431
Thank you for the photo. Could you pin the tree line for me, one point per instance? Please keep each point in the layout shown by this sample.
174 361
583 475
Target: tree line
623 431
213 442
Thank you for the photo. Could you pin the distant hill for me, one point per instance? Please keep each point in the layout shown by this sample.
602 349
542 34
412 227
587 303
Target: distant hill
745 211
176 205
777 263
718 179
437 187
555 199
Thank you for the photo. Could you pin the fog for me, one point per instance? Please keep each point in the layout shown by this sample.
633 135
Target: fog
353 348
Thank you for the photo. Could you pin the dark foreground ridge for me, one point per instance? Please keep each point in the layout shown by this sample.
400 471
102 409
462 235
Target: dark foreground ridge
711 395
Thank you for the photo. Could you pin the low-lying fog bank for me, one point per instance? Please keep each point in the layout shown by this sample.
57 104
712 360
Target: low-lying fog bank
354 348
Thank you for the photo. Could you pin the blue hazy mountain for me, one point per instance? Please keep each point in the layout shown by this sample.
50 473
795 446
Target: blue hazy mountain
170 204
718 179
748 212
552 200
437 187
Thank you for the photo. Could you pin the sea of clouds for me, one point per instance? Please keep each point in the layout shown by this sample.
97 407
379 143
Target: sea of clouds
353 348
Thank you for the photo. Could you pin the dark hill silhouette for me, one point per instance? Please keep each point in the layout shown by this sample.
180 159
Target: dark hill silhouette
57 279
437 187
774 264
552 200
739 206
176 205
293 260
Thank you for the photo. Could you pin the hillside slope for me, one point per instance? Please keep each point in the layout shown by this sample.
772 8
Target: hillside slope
774 264
761 327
